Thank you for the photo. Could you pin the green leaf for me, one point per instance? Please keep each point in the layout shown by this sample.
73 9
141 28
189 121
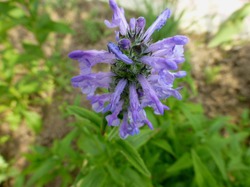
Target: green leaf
164 145
183 162
33 120
85 114
115 175
45 168
92 145
217 124
203 177
28 88
3 169
216 155
113 133
245 117
134 179
133 157
193 113
143 137
61 28
236 164
5 7
95 178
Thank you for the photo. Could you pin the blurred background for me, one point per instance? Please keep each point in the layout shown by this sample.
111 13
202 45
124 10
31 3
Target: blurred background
50 137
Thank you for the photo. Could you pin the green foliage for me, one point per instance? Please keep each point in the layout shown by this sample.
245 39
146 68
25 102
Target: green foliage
232 26
185 149
6 170
26 72
94 31
85 152
3 169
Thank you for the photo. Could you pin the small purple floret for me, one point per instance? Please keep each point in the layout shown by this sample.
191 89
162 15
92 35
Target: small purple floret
116 51
158 24
124 44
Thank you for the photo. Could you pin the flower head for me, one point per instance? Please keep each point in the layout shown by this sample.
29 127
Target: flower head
141 72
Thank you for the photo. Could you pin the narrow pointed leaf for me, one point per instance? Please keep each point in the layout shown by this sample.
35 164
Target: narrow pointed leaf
133 157
183 162
164 145
85 114
203 177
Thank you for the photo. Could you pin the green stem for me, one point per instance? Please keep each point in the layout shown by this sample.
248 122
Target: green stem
104 124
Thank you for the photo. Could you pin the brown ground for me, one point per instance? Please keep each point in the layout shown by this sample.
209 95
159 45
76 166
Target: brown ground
222 79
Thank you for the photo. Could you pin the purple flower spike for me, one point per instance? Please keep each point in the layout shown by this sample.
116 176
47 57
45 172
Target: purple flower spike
118 19
141 74
116 51
158 24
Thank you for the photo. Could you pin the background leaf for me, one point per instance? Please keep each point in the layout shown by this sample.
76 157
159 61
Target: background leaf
133 157
203 176
84 113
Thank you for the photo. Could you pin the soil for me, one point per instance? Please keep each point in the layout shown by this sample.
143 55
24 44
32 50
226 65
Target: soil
222 80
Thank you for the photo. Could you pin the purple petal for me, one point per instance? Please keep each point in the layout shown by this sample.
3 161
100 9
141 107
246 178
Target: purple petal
89 58
76 54
180 40
89 83
133 97
113 119
151 95
132 24
158 24
166 77
126 128
180 74
92 56
138 115
163 90
178 51
173 54
98 101
117 36
116 95
159 63
116 51
118 18
168 43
